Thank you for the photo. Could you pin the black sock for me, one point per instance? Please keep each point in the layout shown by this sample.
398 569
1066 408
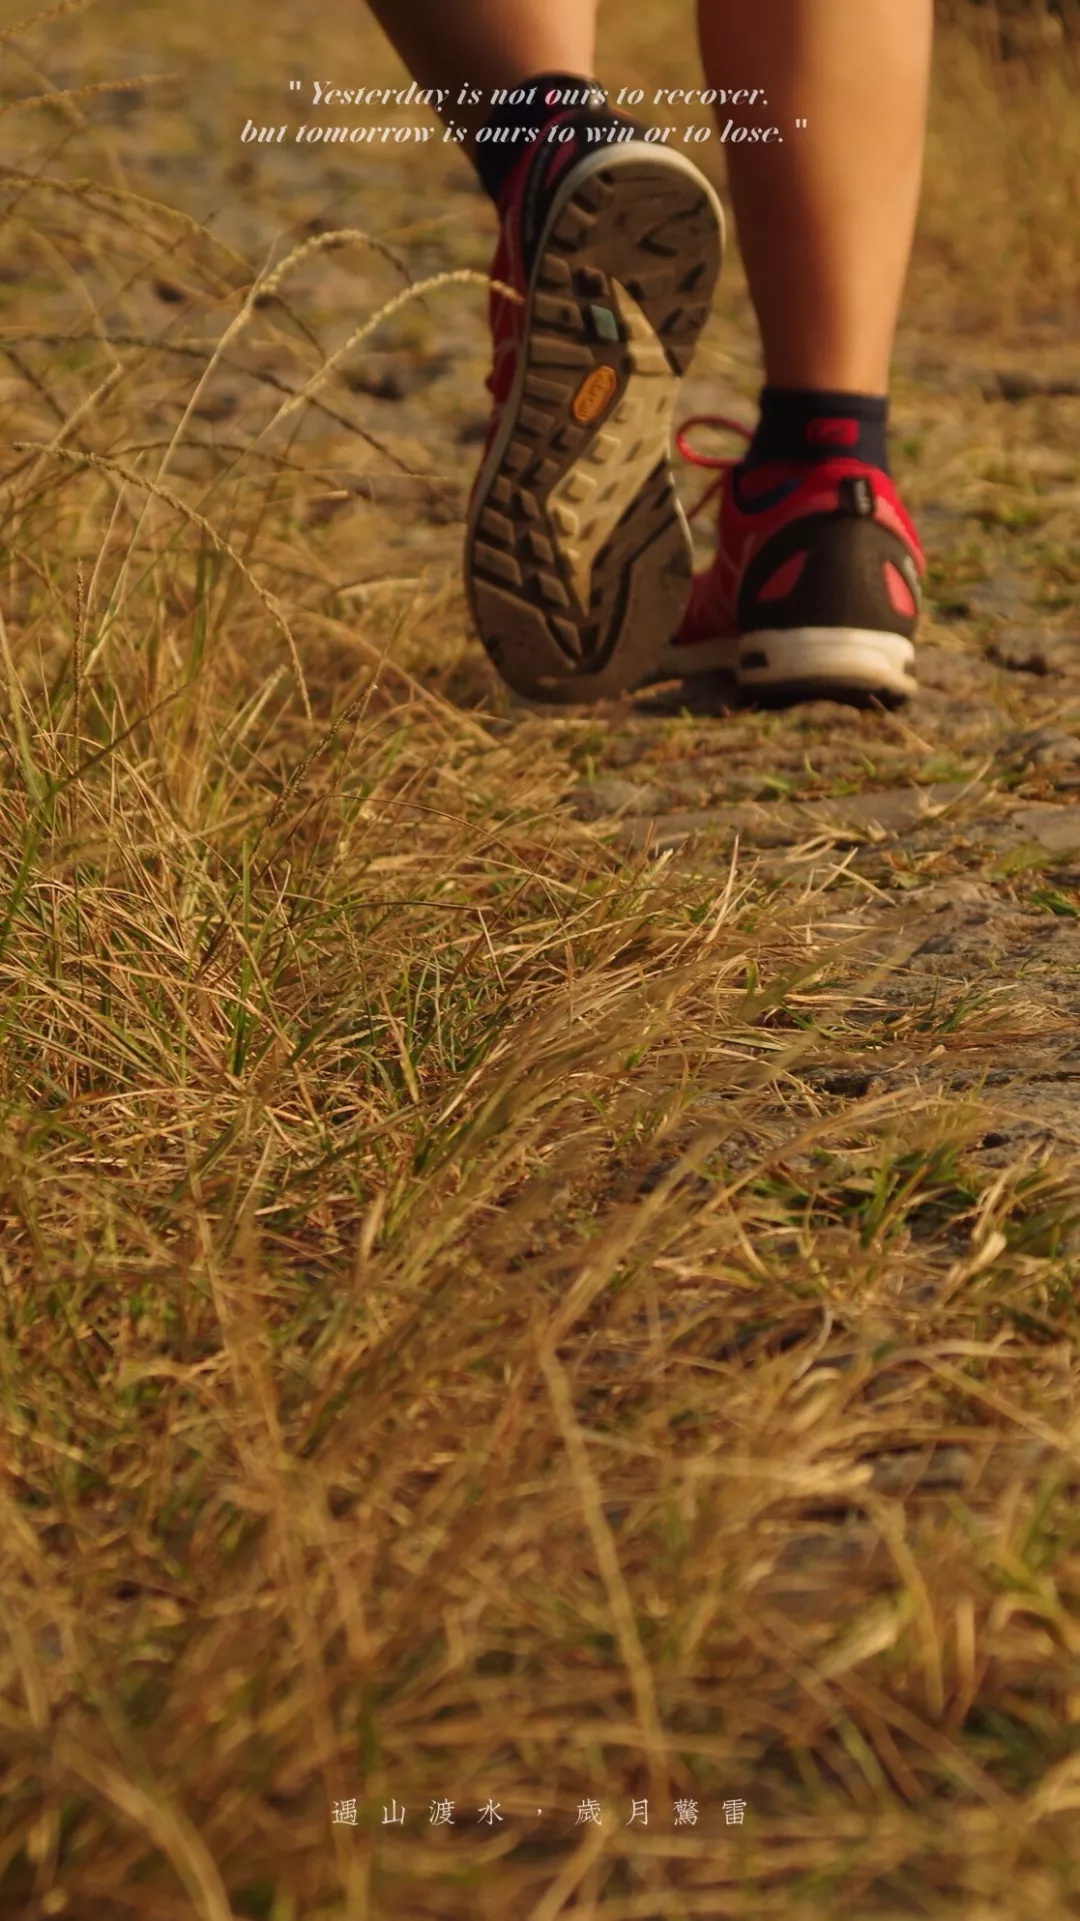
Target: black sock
799 424
511 127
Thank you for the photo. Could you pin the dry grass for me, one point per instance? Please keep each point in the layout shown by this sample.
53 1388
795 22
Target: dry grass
452 1347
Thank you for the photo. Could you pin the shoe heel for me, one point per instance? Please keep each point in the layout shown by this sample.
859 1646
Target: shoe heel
819 663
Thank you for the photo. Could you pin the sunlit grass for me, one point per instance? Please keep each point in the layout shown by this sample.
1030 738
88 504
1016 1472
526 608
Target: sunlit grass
474 1325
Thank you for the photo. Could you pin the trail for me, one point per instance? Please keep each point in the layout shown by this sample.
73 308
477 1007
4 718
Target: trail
956 820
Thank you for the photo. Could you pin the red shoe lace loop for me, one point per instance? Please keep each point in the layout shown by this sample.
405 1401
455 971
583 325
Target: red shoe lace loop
722 462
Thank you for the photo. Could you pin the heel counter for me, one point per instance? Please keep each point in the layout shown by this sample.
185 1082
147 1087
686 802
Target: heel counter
838 570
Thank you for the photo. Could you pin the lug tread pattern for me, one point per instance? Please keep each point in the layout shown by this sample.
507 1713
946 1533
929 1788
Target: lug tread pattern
582 574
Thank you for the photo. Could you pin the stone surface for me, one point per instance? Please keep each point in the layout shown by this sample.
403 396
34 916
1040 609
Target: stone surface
891 810
600 798
1055 828
1045 747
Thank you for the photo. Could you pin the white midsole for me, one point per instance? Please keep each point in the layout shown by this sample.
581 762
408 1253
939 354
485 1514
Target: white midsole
852 656
858 656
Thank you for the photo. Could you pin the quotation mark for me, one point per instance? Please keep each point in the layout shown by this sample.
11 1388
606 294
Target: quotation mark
295 85
800 123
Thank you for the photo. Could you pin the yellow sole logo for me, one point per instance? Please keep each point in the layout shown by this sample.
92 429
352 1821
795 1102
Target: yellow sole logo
594 393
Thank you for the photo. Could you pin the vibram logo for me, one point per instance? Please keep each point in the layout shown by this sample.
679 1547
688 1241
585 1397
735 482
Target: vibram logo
594 393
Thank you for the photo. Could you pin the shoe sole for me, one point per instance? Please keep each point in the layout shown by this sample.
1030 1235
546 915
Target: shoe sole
821 663
578 558
854 664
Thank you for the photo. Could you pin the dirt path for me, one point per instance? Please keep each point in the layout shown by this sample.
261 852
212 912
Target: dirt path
303 1145
956 821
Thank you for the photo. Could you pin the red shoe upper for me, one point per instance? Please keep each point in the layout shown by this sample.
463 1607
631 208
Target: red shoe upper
768 570
525 193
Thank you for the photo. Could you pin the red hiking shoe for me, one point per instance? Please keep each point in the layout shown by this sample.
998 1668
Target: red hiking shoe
578 559
815 589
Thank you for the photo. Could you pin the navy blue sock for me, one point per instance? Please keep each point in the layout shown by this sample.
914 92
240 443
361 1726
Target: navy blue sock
512 126
799 424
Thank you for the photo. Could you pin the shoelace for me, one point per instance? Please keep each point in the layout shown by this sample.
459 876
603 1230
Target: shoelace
723 463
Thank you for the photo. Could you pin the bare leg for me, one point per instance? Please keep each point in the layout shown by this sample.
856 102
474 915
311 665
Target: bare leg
488 43
826 220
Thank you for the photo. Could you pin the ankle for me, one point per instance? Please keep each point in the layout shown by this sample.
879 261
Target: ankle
806 426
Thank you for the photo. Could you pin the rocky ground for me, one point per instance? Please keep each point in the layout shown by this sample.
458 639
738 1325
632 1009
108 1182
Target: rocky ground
950 828
928 860
948 833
